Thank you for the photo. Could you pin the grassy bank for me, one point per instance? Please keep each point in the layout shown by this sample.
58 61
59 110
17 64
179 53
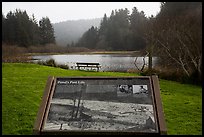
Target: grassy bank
23 86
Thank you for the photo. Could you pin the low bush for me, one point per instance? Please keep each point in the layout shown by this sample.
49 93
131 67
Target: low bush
63 66
52 63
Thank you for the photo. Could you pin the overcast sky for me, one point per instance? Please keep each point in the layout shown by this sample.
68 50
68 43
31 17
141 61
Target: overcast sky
63 11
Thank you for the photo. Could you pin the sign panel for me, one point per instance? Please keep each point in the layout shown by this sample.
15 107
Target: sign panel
99 104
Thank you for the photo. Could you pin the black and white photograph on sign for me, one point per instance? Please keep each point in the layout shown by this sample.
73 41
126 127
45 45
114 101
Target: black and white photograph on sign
125 90
87 107
140 91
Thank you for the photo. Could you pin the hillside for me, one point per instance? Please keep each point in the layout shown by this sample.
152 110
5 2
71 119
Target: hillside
72 30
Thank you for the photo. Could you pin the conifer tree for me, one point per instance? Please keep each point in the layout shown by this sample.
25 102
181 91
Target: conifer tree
46 31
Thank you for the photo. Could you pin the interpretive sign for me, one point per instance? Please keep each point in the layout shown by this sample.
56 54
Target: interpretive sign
125 105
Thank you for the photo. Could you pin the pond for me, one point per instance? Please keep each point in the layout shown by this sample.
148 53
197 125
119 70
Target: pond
108 62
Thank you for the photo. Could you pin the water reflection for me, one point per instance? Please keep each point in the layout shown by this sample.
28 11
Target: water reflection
108 62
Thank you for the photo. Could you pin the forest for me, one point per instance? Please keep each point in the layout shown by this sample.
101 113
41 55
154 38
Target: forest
120 31
174 35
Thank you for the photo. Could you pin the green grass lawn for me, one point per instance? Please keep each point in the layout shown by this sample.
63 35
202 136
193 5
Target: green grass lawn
23 86
182 104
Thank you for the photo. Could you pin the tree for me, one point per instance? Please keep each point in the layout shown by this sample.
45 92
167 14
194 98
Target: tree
150 37
10 29
3 28
103 25
46 31
114 31
179 36
18 28
35 31
137 25
120 31
102 32
89 38
122 21
23 29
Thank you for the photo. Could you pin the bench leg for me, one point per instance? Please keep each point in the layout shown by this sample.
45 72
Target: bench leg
79 68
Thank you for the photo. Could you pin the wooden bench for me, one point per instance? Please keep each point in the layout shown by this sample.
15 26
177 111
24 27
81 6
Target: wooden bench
90 65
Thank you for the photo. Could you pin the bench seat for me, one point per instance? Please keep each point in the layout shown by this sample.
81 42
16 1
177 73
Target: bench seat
85 65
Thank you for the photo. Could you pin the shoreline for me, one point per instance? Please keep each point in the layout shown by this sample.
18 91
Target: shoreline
94 52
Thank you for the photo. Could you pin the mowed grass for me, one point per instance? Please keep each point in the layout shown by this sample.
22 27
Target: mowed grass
182 104
23 86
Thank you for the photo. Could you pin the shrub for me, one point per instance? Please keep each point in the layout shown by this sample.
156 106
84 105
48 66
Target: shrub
51 62
63 66
174 75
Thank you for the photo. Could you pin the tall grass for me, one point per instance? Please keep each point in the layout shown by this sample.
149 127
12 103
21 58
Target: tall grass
10 50
15 53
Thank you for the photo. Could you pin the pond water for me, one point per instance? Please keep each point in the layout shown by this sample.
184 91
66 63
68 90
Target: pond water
108 62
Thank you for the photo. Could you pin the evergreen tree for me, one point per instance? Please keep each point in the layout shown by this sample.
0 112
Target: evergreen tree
123 29
3 28
46 31
102 44
35 31
11 26
89 38
120 31
19 29
113 32
137 27
103 25
23 29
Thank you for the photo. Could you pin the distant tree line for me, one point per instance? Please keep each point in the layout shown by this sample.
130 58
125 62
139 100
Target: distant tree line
120 31
19 29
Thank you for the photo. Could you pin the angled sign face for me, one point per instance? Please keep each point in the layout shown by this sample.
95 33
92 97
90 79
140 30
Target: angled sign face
99 105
